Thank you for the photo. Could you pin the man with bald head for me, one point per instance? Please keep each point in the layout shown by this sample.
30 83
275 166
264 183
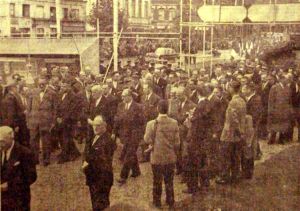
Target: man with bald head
18 172
129 127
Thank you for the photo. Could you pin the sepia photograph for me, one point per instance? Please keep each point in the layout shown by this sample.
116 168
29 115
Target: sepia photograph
147 105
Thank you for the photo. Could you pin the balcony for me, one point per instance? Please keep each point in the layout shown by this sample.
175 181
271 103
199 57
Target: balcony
139 21
21 22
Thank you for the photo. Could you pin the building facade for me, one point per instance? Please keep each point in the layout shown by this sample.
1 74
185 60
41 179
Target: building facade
165 14
138 13
38 18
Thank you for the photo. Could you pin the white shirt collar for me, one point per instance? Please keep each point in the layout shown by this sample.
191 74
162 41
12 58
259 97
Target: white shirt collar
162 116
8 152
248 98
128 104
98 101
95 139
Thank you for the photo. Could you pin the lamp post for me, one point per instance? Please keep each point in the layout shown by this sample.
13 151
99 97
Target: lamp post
115 35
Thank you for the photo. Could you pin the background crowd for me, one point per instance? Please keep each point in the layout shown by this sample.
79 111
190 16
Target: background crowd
221 115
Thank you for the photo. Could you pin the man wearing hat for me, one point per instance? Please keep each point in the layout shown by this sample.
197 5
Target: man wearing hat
97 163
42 109
18 172
232 135
13 113
129 127
102 68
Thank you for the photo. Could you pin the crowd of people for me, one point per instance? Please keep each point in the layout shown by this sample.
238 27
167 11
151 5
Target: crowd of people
203 126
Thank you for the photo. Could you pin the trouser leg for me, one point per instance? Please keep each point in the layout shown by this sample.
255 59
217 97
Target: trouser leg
226 161
169 183
235 160
46 146
99 197
272 138
35 143
135 168
157 184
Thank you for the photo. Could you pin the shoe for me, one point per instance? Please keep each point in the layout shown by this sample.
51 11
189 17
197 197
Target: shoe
188 191
221 181
136 175
144 161
74 157
157 205
121 181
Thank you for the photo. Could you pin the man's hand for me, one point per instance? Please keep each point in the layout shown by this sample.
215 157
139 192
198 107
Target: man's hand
59 120
84 165
113 136
78 124
4 187
17 129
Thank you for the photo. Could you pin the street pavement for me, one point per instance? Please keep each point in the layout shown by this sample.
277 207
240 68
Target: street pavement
62 187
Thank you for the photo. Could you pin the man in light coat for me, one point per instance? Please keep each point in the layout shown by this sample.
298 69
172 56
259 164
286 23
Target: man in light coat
163 135
232 135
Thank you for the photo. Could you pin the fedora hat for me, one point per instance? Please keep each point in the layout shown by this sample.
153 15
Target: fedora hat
98 120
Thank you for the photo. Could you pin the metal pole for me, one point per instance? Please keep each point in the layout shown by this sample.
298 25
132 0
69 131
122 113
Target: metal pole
58 18
211 48
190 20
115 37
180 40
204 37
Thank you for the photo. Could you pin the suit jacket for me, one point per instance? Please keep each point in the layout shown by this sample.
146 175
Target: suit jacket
280 111
166 140
184 108
217 115
67 109
12 110
19 173
130 124
99 157
150 106
42 113
234 126
254 108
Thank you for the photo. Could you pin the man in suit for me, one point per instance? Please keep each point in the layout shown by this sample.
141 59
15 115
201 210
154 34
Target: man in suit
163 156
232 135
150 101
67 119
265 91
296 104
13 114
280 114
254 108
129 127
97 164
196 169
41 119
217 118
18 172
186 107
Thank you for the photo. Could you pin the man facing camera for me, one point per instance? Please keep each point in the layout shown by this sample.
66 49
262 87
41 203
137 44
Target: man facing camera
18 172
97 164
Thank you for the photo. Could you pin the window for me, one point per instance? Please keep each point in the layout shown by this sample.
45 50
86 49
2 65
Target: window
40 32
167 14
146 9
161 14
52 13
12 10
26 10
172 14
74 15
39 12
66 13
53 32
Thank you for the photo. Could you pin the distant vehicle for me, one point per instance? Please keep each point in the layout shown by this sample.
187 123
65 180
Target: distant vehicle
161 54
